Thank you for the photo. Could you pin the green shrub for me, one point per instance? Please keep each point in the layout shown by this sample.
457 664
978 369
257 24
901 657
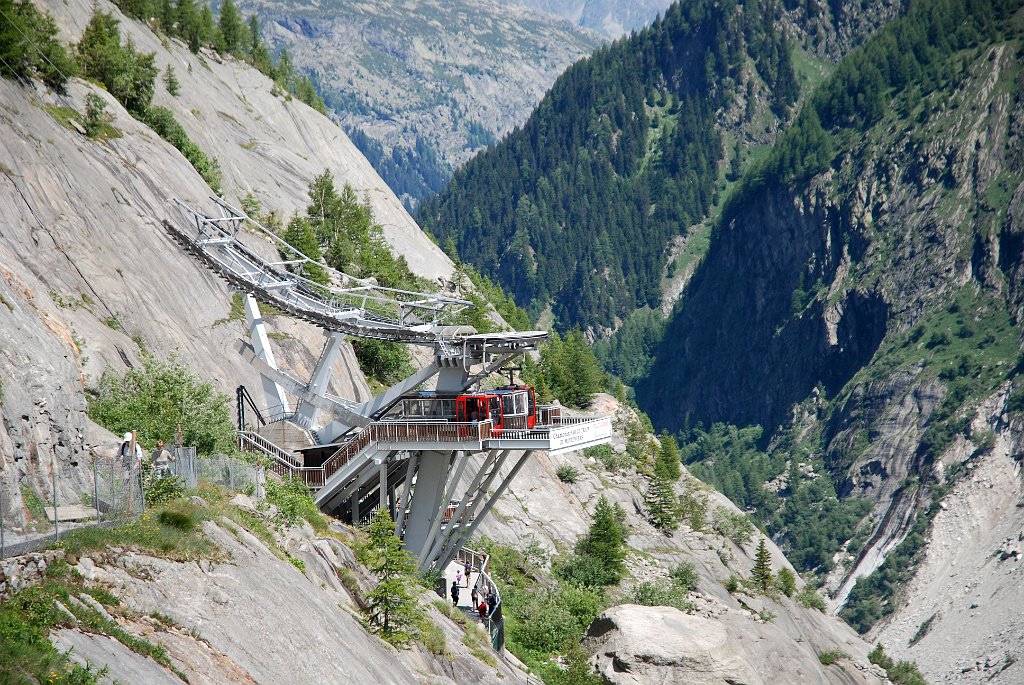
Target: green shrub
902 673
97 120
567 474
294 502
432 637
162 120
832 656
662 594
685 576
810 599
161 490
29 46
732 524
382 360
180 517
152 399
693 506
786 581
600 554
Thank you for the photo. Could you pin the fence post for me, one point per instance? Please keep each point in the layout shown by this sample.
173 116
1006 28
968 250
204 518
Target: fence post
95 488
53 481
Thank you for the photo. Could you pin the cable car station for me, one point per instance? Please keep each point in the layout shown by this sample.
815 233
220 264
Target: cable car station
438 460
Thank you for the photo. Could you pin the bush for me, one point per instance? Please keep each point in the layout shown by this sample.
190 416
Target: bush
294 502
734 525
685 576
152 399
693 507
382 360
810 599
128 75
832 656
662 594
29 46
162 120
786 581
95 115
161 490
567 474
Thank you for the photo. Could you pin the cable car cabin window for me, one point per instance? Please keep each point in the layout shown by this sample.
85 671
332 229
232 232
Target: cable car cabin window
495 413
508 404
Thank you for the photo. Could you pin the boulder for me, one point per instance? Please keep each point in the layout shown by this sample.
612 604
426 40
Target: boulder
638 645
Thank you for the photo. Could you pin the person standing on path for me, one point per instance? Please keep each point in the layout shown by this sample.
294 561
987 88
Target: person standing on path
162 458
458 576
468 567
455 593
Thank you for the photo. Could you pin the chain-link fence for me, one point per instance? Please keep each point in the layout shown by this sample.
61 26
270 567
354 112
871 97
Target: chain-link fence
232 473
45 504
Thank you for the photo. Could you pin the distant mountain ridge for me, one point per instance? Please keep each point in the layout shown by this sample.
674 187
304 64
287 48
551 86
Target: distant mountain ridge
422 86
612 18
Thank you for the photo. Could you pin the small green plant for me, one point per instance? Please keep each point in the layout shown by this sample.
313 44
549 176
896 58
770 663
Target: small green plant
832 656
810 599
732 584
476 639
685 576
786 581
567 474
922 630
766 616
97 119
662 594
298 563
171 81
900 673
693 507
732 524
113 323
432 637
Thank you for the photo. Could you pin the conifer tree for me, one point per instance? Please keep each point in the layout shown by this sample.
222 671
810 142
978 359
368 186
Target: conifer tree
762 574
232 28
663 508
606 540
171 81
300 236
667 463
391 608
787 581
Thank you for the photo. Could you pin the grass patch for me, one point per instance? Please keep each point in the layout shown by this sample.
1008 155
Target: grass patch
479 644
34 504
63 115
298 563
832 656
236 313
171 531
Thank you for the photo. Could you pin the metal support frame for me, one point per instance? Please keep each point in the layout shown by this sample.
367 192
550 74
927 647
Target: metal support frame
261 345
414 460
459 462
464 533
320 379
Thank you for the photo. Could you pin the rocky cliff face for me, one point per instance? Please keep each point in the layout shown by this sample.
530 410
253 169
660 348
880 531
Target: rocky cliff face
889 286
448 77
612 18
88 276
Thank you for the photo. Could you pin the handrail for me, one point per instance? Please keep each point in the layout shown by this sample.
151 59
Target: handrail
495 619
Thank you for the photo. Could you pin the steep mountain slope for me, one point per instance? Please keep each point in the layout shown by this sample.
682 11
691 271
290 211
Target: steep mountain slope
424 84
609 17
629 150
880 252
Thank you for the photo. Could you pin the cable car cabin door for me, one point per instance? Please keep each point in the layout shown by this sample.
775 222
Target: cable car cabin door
469 409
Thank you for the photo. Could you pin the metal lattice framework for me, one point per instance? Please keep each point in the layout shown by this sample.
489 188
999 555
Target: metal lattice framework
350 305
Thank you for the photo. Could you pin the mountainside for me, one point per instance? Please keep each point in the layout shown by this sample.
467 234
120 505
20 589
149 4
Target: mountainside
878 319
609 17
582 209
91 282
422 86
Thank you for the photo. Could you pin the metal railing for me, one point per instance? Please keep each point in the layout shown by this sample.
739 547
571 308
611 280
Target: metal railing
484 586
44 509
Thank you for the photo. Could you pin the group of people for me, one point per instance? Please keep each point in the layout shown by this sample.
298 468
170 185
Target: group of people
132 455
484 604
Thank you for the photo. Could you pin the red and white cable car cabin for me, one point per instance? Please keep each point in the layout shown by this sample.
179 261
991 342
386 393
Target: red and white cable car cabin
506 408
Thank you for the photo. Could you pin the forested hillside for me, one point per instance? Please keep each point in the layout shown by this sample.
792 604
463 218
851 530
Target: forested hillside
576 209
861 300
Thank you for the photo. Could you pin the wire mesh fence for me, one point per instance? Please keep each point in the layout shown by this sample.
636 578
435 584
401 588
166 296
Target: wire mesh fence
46 505
232 473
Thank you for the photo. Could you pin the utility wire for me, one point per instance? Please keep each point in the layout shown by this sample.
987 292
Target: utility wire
34 47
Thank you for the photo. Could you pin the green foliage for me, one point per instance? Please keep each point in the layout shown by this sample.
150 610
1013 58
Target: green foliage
629 352
612 460
567 371
300 236
600 555
29 46
810 599
577 208
171 82
877 595
170 531
128 74
653 594
297 563
391 608
667 464
294 502
493 293
663 507
693 507
901 673
786 581
833 656
567 473
162 120
161 490
734 525
685 576
549 621
578 670
154 398
96 117
762 574
384 361
179 516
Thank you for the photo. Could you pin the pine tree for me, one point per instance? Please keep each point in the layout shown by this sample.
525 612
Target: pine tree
787 581
391 608
300 236
667 464
762 574
606 540
232 28
663 508
171 81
